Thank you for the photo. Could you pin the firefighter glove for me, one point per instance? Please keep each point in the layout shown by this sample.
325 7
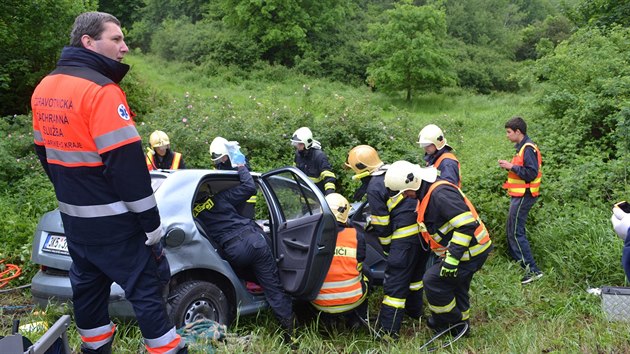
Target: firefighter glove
449 267
154 236
620 220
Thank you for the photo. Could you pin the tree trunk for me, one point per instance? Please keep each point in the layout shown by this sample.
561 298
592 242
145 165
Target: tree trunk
408 94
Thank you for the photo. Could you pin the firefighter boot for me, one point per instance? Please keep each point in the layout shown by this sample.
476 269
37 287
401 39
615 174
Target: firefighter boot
288 331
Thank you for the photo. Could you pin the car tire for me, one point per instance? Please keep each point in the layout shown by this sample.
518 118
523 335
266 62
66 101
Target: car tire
195 300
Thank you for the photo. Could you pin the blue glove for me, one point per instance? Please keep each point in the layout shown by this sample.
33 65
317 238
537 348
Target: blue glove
449 267
235 154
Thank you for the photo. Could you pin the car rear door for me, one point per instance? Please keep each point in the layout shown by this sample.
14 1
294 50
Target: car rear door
303 230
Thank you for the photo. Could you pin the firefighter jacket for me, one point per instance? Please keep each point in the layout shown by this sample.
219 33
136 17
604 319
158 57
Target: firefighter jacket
447 164
526 173
219 213
170 161
392 218
247 209
314 163
86 140
343 288
450 222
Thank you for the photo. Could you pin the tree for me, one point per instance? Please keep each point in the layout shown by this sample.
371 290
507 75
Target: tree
408 50
32 34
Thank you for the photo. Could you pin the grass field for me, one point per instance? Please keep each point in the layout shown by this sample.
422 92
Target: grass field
575 247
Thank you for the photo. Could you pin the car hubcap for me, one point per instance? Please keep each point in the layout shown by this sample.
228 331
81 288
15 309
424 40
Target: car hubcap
200 309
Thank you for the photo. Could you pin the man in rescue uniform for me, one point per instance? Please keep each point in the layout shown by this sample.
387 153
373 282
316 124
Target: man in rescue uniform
311 160
244 244
523 186
393 221
160 156
221 159
450 220
344 292
439 154
87 143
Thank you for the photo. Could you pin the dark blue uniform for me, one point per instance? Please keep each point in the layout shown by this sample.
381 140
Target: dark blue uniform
243 243
248 208
394 223
449 168
314 163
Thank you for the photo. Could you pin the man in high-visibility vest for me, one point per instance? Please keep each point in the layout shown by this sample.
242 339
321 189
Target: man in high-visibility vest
439 154
160 156
450 220
344 292
523 186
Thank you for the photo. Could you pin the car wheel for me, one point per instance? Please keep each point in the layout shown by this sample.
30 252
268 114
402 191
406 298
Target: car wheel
196 300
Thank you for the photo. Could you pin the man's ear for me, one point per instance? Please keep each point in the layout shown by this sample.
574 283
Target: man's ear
86 41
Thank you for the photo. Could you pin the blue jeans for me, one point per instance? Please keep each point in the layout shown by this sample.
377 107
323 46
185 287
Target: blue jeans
518 245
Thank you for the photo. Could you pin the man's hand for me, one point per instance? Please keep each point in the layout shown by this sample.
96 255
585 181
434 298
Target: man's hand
620 221
449 267
154 236
505 164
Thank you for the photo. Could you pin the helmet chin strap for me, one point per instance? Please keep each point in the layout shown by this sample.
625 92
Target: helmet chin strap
360 175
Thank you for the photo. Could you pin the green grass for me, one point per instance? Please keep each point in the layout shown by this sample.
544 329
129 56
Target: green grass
573 244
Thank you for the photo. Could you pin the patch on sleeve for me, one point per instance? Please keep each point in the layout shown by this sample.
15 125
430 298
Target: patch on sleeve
122 112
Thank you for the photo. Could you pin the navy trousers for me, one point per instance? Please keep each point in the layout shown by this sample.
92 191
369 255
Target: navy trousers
518 245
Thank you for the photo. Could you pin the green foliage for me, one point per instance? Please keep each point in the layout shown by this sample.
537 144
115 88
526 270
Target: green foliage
409 51
602 13
554 29
32 34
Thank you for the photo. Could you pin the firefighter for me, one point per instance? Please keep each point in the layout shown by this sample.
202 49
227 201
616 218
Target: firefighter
344 292
244 244
523 186
393 221
439 154
86 140
160 156
221 160
620 220
447 217
311 159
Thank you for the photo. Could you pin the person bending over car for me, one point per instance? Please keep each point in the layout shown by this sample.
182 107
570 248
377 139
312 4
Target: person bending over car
244 244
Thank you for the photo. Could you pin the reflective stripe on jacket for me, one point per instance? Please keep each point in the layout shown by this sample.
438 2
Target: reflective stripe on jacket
342 289
440 244
515 185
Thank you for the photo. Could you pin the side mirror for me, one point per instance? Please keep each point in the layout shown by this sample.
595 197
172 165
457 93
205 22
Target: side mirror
174 237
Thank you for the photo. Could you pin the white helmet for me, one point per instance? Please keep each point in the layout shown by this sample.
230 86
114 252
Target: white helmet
304 136
218 148
432 134
158 139
406 176
339 206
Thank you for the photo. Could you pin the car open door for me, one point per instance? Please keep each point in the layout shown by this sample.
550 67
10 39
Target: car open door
303 230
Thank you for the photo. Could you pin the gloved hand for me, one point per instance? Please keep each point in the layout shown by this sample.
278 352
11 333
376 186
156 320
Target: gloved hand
150 151
620 221
449 267
154 236
235 154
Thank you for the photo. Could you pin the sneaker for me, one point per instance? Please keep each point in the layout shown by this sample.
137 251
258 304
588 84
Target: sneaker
253 288
531 276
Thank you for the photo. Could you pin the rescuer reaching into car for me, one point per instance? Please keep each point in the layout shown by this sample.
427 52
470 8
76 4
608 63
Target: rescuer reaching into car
160 156
393 221
92 153
244 244
450 220
311 159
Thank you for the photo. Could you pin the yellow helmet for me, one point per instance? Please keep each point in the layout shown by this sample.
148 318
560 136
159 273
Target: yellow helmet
405 176
218 148
304 136
432 134
158 139
363 158
339 206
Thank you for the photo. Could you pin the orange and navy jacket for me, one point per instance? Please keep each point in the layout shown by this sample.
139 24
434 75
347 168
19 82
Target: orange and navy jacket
447 164
170 161
88 144
526 172
343 288
450 222
392 218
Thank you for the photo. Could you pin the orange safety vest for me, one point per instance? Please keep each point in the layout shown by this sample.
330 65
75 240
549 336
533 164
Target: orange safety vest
515 185
174 165
481 233
342 289
450 155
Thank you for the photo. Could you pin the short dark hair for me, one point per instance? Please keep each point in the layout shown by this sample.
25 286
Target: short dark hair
92 24
517 123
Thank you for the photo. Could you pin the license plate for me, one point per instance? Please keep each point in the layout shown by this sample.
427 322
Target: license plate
56 244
